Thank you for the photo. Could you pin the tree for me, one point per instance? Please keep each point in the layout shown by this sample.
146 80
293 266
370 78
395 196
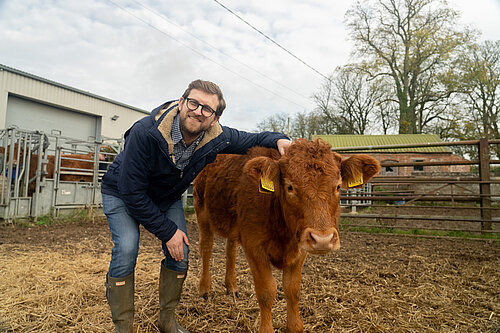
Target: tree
275 123
348 102
325 114
355 98
411 43
302 125
453 128
325 125
386 110
305 125
323 101
479 77
476 107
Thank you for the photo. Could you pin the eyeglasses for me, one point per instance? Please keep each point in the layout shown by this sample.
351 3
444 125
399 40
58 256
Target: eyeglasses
193 105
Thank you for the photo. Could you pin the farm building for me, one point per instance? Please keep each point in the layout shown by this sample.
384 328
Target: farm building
55 144
33 103
401 155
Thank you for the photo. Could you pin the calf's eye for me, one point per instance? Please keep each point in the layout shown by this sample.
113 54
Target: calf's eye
338 187
290 188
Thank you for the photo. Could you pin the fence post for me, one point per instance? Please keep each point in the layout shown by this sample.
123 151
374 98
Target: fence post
484 186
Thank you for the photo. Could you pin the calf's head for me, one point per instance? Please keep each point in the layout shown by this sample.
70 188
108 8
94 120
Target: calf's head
307 182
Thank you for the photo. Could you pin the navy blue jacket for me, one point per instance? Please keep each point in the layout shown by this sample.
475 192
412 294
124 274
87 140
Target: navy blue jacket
144 176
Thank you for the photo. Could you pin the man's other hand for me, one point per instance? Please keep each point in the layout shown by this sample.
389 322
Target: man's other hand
175 245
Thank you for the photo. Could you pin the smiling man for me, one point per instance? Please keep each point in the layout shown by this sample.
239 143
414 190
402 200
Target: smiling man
163 154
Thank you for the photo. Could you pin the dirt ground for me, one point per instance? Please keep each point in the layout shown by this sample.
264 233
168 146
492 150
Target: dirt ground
52 280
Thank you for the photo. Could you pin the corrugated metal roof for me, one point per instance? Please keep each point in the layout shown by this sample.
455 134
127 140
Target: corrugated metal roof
346 141
57 84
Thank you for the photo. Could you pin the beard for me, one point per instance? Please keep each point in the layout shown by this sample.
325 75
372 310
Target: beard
193 125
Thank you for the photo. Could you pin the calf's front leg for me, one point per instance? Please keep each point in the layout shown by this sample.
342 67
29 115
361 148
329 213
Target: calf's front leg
265 289
231 253
291 286
206 244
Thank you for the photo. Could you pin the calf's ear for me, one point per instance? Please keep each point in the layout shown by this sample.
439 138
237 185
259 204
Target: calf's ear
262 168
358 170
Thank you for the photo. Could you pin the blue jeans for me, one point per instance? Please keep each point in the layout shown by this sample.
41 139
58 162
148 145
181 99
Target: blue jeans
125 235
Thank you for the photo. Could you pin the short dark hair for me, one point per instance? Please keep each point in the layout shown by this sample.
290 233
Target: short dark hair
209 88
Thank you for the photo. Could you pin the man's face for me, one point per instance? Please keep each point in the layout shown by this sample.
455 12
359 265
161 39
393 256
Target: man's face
193 123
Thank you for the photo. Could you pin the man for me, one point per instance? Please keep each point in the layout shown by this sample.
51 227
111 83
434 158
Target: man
163 154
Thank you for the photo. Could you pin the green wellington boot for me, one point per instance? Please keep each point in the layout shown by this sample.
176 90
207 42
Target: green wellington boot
170 293
120 296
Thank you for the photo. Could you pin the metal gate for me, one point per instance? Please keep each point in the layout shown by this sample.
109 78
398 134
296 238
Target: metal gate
47 173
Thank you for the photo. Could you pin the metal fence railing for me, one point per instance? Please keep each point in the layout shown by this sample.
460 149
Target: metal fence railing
433 200
46 173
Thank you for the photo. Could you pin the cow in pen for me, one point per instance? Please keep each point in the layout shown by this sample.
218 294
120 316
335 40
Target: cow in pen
279 208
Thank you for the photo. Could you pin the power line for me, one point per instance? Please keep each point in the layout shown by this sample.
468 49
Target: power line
271 40
215 48
204 56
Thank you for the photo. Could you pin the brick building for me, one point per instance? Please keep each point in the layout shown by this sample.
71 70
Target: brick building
400 155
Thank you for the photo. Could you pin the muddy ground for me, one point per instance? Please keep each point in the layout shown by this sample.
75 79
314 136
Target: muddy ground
52 280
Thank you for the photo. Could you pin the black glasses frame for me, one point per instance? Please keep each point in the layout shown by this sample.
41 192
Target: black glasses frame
193 105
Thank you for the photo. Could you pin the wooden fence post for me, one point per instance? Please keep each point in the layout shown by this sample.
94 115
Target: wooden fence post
484 186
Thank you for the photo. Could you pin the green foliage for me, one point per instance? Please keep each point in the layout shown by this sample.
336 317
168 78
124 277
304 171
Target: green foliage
417 70
189 210
74 216
445 204
44 220
493 169
411 45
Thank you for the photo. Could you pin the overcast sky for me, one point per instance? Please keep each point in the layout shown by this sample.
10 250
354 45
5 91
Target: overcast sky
145 52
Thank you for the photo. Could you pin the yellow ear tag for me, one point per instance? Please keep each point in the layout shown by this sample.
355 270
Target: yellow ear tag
266 185
356 182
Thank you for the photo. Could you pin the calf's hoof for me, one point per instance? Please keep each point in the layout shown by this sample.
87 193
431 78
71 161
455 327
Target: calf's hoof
204 287
231 288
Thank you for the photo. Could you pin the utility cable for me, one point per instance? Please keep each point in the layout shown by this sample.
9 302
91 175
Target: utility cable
221 52
204 56
271 40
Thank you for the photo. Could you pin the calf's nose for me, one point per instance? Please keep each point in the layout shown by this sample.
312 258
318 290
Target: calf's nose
322 241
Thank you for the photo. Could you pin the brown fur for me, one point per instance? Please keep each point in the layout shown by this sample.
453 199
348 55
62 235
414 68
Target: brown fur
74 161
66 162
275 229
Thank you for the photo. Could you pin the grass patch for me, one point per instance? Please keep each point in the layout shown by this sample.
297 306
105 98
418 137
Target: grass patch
421 232
189 210
75 216
446 204
44 220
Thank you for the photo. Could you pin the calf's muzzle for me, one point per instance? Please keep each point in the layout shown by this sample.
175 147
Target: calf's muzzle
320 241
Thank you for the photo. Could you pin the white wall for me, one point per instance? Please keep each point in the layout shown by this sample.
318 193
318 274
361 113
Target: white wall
15 82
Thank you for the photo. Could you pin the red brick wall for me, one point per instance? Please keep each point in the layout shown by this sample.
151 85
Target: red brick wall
411 157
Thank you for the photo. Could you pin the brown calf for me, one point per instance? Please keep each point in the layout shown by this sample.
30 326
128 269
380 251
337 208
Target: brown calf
279 208
74 167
